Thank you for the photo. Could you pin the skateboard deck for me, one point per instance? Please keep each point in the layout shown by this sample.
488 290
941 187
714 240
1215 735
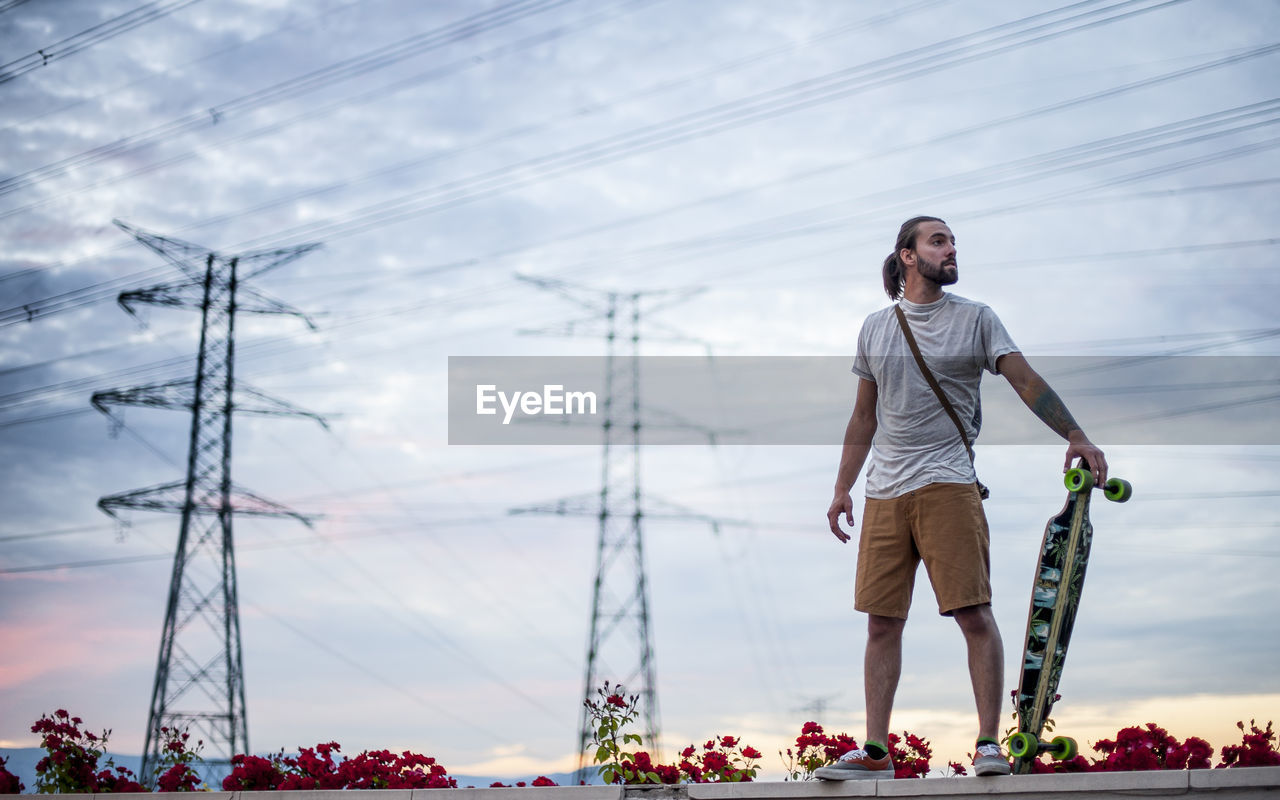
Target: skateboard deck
1055 598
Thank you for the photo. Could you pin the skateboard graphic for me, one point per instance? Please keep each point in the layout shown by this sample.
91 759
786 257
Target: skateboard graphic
1055 597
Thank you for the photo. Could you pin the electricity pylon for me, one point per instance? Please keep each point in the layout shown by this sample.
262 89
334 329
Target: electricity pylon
620 624
199 681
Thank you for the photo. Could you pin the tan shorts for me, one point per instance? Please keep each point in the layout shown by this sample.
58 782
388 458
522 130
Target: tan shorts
941 524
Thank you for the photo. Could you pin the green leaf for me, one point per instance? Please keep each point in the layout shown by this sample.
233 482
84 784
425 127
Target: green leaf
631 738
654 777
602 753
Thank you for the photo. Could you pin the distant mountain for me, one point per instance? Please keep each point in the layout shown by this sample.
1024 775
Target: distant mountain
22 762
483 781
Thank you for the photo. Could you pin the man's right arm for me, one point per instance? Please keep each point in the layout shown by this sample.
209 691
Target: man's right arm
857 444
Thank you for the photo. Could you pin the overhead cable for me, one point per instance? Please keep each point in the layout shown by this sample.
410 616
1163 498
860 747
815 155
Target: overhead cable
148 12
324 77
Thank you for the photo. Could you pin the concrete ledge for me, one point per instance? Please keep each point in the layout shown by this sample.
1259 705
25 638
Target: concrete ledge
510 793
784 791
1250 783
1221 784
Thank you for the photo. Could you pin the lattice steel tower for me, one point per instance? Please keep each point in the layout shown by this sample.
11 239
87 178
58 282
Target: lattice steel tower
620 645
199 681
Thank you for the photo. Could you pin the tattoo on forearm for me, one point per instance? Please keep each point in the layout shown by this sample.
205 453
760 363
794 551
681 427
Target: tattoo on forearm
1049 408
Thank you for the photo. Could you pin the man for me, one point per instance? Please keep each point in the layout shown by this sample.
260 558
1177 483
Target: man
923 500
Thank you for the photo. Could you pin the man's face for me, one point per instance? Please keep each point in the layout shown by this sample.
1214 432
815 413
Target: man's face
935 254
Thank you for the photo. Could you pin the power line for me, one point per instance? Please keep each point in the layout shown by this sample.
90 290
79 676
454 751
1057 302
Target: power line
43 395
467 63
715 119
1001 38
378 677
1180 191
760 525
417 524
148 12
277 126
170 69
1121 255
324 77
163 367
984 127
79 412
334 226
472 580
422 627
1021 170
431 633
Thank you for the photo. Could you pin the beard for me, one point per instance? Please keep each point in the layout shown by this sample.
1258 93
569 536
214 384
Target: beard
943 274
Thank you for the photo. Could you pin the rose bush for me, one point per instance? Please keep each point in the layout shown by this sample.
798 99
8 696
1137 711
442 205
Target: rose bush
724 759
74 761
315 768
1152 748
175 772
814 748
1257 748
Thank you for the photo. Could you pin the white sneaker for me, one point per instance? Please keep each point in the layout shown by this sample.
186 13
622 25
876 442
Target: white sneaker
990 760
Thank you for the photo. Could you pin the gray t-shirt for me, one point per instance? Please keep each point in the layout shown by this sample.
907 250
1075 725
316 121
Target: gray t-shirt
916 443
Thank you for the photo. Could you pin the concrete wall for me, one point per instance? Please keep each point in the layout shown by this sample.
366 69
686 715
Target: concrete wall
1253 783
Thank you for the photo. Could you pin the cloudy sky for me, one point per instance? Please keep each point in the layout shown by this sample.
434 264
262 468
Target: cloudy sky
1109 168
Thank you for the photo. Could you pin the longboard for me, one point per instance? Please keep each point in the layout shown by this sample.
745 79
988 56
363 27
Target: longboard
1055 598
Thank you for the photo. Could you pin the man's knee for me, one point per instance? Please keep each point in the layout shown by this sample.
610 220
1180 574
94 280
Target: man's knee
883 629
976 620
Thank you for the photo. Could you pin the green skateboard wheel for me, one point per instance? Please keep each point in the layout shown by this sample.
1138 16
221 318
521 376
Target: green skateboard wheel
1078 480
1023 745
1063 748
1118 491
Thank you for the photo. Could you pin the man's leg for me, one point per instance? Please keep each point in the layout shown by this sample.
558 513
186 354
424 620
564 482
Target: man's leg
881 670
986 665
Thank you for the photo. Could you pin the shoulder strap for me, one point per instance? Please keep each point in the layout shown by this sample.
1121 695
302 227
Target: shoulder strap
933 382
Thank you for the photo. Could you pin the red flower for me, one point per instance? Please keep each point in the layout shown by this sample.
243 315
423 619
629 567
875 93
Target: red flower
715 762
642 761
177 779
1256 748
751 752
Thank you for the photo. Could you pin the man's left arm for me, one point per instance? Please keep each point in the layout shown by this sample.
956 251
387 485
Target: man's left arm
1045 404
